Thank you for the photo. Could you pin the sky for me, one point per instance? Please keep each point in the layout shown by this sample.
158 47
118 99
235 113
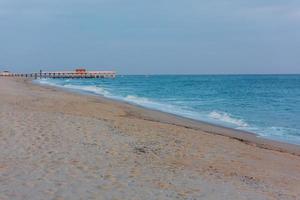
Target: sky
151 36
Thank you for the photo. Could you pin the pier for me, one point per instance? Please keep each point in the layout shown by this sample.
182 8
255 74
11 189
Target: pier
78 73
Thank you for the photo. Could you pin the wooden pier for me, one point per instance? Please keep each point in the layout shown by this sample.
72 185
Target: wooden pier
78 73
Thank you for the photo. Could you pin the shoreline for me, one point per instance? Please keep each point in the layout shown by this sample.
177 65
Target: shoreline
57 144
247 137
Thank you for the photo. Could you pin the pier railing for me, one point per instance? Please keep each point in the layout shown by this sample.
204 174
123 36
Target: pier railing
40 75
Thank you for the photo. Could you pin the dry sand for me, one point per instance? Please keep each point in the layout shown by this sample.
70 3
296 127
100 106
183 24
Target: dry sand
60 145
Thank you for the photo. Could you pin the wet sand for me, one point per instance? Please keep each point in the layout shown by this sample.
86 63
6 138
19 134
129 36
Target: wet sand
61 145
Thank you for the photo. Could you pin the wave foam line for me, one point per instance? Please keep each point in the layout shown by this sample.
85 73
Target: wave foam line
225 117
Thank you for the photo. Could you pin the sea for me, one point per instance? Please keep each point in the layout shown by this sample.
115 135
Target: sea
267 105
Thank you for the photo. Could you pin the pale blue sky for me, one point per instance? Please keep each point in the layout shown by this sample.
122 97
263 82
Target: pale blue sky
151 36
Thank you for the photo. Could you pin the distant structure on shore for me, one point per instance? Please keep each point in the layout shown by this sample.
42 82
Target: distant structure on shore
78 73
5 73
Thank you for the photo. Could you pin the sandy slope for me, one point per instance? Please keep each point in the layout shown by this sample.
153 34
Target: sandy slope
59 145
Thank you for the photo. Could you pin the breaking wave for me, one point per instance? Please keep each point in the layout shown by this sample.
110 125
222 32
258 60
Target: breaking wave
225 117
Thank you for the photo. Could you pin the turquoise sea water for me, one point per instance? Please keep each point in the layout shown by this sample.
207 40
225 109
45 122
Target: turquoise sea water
268 105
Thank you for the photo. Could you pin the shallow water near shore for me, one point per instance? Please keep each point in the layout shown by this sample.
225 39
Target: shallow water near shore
268 105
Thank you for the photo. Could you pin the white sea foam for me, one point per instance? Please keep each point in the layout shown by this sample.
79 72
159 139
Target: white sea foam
147 102
45 82
138 99
225 117
290 135
92 89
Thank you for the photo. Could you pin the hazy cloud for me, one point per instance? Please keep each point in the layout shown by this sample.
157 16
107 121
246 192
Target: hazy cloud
157 36
274 12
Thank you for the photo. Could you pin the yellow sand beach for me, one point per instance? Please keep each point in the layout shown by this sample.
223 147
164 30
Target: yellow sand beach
56 144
